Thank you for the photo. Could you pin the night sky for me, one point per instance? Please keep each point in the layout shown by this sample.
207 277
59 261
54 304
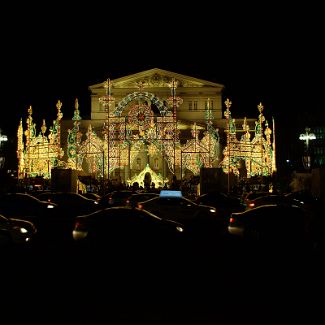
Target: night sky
271 54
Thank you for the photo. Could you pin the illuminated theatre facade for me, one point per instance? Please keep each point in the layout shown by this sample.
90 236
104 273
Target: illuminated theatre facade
150 127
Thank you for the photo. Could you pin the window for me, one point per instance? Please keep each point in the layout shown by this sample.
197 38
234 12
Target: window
190 106
138 163
155 163
206 105
195 105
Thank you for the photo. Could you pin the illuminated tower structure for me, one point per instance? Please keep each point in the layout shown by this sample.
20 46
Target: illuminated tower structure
74 139
110 143
20 151
39 153
257 155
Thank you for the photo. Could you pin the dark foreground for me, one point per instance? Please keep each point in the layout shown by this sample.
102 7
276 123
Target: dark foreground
227 285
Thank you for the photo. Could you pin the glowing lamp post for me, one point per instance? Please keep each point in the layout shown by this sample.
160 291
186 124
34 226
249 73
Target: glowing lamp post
307 137
3 138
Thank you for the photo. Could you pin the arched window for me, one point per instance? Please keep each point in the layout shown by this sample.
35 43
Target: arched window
156 163
138 163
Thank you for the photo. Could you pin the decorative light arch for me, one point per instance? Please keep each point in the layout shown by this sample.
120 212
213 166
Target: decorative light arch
163 109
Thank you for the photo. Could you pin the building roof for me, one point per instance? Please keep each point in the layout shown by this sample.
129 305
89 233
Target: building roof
156 78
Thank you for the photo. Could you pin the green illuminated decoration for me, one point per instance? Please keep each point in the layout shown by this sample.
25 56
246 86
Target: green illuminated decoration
74 138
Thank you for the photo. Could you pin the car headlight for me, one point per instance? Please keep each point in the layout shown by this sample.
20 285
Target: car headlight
22 230
79 234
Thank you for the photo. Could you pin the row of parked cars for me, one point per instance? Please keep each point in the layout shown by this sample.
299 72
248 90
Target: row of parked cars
293 220
66 216
17 231
126 216
46 217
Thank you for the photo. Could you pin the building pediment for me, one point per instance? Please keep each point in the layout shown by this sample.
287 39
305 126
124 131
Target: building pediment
156 78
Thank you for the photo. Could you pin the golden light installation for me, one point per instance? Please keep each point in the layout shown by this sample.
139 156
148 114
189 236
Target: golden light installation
258 153
134 128
156 179
135 138
130 130
40 153
91 154
109 144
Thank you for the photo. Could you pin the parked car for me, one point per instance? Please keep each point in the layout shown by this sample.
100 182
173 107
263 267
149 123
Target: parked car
15 231
268 199
124 230
303 198
223 202
69 202
252 195
69 205
198 218
91 195
25 206
134 198
53 221
314 208
114 198
277 225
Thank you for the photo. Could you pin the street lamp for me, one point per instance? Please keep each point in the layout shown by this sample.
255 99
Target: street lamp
307 136
3 138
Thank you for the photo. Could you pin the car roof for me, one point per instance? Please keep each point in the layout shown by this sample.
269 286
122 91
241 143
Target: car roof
170 194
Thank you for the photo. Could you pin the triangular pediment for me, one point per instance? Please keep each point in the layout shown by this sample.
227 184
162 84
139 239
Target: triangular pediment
157 78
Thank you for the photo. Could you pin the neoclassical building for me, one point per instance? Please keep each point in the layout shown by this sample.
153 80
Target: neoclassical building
150 127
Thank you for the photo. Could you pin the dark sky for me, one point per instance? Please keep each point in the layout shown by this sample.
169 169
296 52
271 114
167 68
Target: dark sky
271 54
